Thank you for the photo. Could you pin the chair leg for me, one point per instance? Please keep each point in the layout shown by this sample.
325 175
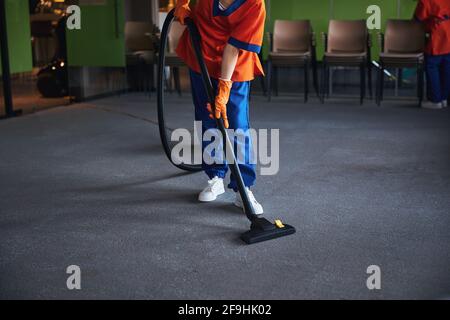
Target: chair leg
170 80
315 78
150 79
329 81
138 77
269 79
146 79
130 78
176 78
364 74
369 75
263 85
276 79
362 83
381 85
324 81
142 78
400 77
377 87
420 83
306 81
152 75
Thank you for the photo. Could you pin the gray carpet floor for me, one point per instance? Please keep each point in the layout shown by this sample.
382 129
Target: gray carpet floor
89 185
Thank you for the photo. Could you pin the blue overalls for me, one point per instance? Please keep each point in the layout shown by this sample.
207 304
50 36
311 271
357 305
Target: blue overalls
438 74
237 110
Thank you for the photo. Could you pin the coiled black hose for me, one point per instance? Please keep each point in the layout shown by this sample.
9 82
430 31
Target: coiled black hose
161 119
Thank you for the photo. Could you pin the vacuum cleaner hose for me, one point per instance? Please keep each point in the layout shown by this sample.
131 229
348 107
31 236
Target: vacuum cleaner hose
160 103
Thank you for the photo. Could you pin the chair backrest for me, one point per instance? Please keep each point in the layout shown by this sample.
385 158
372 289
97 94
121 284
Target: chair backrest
138 36
292 36
404 36
175 33
347 36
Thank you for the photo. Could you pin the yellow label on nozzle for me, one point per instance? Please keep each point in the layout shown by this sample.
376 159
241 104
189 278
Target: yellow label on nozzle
279 224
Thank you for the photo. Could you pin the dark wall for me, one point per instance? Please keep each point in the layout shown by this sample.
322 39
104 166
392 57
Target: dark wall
138 10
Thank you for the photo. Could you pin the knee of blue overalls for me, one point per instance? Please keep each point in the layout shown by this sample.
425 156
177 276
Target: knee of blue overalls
215 166
238 117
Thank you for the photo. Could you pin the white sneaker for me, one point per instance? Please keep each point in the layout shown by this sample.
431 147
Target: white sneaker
257 207
431 105
214 189
444 104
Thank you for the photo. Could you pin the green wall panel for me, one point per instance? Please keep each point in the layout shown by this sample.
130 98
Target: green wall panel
317 11
407 8
19 36
356 9
100 42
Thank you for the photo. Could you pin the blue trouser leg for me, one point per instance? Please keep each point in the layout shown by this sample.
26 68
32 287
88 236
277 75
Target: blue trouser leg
445 77
237 110
217 169
434 82
238 117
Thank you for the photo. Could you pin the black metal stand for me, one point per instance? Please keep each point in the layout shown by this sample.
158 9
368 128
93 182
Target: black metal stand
6 73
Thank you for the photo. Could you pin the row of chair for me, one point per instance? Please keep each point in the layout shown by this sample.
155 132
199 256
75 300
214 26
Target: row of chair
347 44
141 44
293 45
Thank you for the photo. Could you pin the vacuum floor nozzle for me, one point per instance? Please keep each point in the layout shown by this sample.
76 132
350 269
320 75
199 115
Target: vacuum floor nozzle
263 230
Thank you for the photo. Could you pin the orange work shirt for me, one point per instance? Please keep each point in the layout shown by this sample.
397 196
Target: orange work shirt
241 25
436 16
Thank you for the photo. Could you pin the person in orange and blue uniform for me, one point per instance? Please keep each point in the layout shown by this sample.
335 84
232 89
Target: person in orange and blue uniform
435 14
232 33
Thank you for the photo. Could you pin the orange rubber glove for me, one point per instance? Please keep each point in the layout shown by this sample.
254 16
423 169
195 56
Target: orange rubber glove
222 97
182 10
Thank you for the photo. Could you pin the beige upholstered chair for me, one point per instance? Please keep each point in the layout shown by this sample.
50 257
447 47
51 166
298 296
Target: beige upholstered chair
140 54
347 44
402 47
292 45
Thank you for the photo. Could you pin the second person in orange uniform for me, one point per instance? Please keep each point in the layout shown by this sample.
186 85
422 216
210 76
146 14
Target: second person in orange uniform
435 15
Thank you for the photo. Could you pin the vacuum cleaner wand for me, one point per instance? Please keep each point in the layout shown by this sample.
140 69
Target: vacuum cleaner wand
261 229
195 38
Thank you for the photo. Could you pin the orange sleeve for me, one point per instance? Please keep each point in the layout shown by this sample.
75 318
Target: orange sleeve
422 11
248 30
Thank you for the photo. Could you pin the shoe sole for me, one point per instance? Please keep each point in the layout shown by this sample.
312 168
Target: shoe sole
241 206
211 200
